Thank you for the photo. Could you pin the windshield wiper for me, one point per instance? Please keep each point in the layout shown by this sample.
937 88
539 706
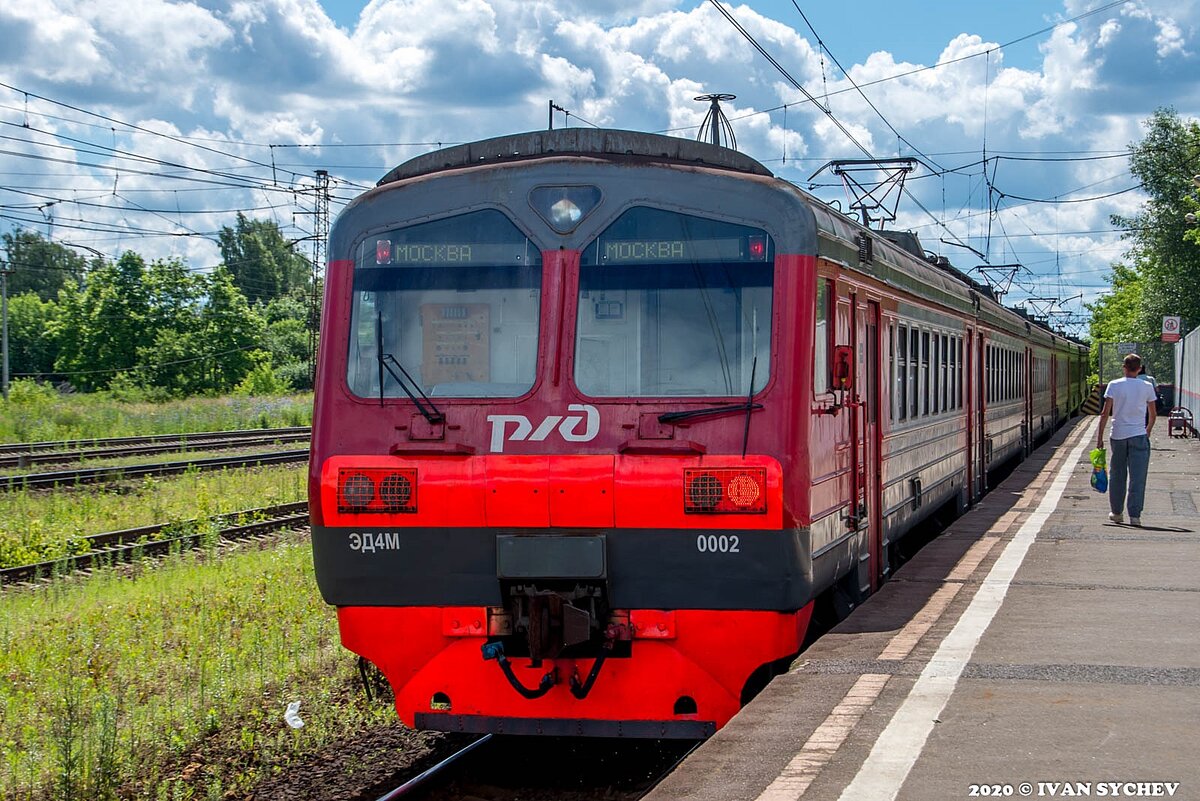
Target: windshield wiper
429 412
389 362
674 417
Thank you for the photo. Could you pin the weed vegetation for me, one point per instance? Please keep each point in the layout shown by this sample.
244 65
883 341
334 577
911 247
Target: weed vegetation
170 681
41 526
37 412
181 455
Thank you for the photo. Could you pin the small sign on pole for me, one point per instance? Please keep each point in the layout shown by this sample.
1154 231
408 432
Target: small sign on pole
1171 329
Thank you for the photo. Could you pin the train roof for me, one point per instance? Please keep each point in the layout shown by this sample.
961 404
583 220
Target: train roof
634 146
602 143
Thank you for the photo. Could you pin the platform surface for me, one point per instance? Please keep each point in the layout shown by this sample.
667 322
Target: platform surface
1034 650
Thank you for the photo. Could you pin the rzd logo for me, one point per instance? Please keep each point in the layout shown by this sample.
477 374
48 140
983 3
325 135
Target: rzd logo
567 426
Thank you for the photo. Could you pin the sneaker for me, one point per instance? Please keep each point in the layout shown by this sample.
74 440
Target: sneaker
1116 517
1135 521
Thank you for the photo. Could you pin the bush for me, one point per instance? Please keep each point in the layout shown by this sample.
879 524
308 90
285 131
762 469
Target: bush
296 374
262 380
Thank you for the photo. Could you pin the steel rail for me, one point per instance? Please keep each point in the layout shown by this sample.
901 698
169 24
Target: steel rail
91 475
113 547
98 442
205 444
420 779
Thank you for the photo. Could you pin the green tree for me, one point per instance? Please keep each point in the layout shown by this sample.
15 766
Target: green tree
262 263
104 324
1163 245
32 348
39 265
287 338
231 331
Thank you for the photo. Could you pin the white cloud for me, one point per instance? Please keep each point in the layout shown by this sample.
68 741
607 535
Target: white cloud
279 71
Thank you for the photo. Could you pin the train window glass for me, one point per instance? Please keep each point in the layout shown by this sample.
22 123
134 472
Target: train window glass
674 305
822 339
455 301
892 370
953 372
990 371
961 372
933 375
946 373
914 360
901 399
925 372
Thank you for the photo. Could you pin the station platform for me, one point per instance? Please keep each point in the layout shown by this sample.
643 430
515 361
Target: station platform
1032 650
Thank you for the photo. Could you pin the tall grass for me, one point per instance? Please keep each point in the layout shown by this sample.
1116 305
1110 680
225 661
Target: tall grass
40 526
36 412
173 684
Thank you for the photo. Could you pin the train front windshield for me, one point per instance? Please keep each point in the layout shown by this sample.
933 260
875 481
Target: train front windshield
674 305
453 304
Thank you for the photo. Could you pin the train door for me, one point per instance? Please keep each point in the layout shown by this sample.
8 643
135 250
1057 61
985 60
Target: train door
979 418
1027 390
1054 387
970 391
869 485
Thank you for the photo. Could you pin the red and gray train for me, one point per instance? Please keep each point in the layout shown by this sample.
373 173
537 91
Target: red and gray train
600 414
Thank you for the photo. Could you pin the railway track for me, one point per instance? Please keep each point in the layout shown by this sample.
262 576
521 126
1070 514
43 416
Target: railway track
23 454
92 475
557 769
114 547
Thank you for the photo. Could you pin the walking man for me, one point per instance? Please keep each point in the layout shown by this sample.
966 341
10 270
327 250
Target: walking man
1129 401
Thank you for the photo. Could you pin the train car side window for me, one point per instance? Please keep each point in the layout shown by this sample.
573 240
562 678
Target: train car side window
901 395
456 302
925 376
892 370
914 360
945 366
822 339
934 358
674 305
961 367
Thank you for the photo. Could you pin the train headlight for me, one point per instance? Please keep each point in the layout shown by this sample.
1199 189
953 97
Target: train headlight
355 491
377 490
563 207
735 490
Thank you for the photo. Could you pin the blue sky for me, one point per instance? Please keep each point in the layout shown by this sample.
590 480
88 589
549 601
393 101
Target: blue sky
147 124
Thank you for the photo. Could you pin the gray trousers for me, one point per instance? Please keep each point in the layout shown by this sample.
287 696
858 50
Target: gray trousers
1129 460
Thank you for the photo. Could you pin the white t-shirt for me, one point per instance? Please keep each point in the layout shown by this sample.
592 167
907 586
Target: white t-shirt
1129 397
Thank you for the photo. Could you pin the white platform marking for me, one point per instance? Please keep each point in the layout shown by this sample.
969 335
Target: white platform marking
902 741
825 741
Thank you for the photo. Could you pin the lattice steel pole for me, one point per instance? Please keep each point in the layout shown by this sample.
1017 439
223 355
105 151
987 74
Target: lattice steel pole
320 235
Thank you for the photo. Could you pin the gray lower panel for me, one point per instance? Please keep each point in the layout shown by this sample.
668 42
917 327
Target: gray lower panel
646 568
557 727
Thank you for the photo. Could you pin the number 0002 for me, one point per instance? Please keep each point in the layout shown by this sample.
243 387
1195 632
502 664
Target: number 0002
718 543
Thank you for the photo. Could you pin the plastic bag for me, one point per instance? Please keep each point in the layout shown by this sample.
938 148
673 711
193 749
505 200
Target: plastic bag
1099 469
291 715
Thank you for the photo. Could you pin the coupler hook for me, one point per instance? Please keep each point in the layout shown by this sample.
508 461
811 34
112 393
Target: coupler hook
495 650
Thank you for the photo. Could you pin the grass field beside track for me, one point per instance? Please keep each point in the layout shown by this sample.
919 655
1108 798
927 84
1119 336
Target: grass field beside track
36 412
171 682
40 526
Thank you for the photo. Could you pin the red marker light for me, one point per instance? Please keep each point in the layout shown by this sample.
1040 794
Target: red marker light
375 490
725 490
383 251
758 248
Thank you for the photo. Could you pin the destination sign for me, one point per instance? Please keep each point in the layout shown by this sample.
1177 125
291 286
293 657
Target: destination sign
388 253
659 251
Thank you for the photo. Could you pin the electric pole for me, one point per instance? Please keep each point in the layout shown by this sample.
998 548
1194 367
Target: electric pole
4 324
320 234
